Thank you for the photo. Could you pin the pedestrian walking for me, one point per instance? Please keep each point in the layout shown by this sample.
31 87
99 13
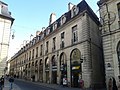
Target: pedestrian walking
110 84
11 80
2 81
0 85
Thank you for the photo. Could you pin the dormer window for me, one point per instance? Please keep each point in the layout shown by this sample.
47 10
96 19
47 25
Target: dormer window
48 31
63 20
74 11
54 26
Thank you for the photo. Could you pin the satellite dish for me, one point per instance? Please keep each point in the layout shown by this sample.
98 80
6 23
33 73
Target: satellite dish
108 18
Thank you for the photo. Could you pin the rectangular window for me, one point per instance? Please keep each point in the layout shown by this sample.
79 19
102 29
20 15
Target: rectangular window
54 42
41 49
32 53
62 35
62 44
36 52
74 34
27 56
47 46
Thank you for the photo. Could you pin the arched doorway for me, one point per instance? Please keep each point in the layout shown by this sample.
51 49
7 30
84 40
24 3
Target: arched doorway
47 67
29 76
76 69
41 70
63 67
36 70
54 70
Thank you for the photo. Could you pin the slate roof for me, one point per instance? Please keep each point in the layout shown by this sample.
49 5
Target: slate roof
4 11
83 6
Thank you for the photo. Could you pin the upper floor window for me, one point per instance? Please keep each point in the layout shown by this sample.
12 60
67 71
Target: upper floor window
62 35
41 49
47 43
29 55
25 56
54 43
32 53
74 34
36 52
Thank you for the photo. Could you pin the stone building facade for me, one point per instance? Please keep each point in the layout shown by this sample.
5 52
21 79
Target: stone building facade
110 26
6 22
70 47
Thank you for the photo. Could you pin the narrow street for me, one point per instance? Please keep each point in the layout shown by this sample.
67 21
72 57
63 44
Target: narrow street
30 86
24 85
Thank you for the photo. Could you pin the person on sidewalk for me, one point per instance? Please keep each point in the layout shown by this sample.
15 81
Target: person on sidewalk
11 80
2 81
0 85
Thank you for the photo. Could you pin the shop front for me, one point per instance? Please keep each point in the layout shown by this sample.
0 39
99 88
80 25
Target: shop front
76 68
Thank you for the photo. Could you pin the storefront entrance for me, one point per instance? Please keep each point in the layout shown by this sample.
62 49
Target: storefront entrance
47 77
76 68
76 76
54 77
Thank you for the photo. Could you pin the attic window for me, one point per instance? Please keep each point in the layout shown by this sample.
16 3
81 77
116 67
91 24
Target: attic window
55 26
63 20
74 11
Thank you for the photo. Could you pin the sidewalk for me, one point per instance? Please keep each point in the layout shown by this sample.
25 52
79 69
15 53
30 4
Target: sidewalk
7 86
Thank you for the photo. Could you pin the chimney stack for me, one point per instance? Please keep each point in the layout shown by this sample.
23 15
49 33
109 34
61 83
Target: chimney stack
52 18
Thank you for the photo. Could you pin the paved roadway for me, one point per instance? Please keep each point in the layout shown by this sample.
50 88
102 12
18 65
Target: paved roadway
24 85
29 86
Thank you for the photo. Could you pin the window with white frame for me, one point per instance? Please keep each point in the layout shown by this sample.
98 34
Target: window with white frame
54 26
47 43
74 34
74 11
54 43
63 20
62 40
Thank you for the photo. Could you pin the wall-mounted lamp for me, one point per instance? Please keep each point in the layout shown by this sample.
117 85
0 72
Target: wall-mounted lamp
82 58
